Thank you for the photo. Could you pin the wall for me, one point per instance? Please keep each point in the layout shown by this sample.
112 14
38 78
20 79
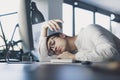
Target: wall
51 9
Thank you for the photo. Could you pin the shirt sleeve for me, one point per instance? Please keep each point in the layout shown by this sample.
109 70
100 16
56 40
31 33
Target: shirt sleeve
102 52
102 45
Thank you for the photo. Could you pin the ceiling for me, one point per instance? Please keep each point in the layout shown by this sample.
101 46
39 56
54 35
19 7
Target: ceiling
109 5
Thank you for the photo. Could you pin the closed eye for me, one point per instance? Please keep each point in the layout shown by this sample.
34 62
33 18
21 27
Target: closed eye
52 42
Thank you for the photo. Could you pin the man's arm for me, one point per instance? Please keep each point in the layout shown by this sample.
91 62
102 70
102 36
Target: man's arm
102 52
102 47
53 26
66 55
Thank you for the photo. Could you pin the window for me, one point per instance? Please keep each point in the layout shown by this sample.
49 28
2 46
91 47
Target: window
82 18
8 19
67 18
116 28
102 20
84 15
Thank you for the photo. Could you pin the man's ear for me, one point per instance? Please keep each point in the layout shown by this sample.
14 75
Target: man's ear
62 35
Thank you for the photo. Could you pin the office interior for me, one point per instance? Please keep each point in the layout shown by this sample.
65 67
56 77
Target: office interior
76 14
19 37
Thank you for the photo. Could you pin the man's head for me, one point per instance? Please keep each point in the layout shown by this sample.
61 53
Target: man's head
56 43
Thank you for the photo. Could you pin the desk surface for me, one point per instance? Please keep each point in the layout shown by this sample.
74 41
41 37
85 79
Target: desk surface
46 71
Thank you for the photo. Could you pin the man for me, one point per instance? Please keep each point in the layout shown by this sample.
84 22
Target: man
93 43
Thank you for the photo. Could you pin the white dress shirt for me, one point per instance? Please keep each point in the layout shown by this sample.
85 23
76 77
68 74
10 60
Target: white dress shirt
96 44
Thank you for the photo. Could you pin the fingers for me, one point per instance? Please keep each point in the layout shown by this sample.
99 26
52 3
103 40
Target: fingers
62 56
58 20
59 57
66 55
53 25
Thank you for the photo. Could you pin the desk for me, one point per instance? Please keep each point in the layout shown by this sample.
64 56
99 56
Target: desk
46 71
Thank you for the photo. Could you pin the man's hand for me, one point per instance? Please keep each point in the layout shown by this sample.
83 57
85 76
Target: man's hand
66 55
52 25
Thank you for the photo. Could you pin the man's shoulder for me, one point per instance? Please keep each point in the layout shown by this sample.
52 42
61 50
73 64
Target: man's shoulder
93 26
96 28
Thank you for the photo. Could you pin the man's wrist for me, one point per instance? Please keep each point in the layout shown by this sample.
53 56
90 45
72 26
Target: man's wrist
43 32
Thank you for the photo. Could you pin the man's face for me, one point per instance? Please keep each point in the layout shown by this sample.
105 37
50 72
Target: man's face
57 45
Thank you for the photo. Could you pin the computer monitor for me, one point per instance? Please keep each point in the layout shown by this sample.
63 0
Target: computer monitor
25 25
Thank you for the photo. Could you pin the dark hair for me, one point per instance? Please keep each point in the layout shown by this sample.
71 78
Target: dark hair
54 34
